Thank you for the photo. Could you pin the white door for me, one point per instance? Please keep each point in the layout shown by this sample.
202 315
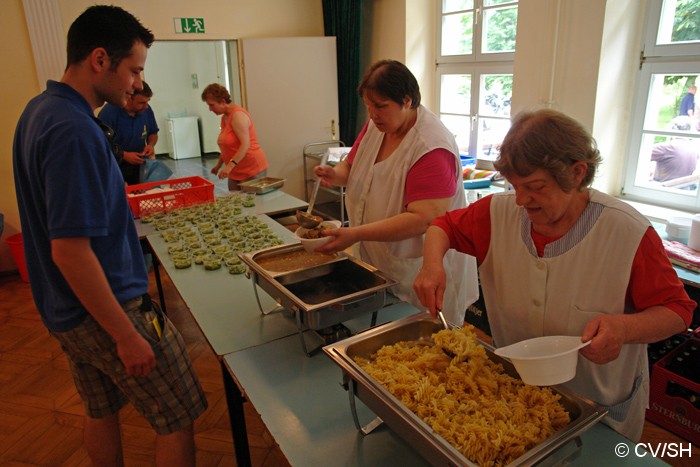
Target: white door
290 89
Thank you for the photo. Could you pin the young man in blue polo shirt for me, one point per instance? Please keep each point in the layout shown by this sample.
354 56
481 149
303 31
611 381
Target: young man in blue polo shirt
135 132
84 260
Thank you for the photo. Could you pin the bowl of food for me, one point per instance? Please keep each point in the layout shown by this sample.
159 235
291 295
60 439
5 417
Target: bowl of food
544 361
314 238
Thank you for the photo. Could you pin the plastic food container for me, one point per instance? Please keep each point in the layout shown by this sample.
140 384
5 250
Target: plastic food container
678 229
544 361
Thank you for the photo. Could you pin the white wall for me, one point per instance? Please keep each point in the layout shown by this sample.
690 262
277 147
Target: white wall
619 63
421 48
223 19
580 57
169 71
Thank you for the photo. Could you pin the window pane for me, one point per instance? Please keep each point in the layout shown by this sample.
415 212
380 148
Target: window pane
455 94
667 163
448 6
495 93
680 22
457 32
666 96
498 2
460 127
491 134
500 26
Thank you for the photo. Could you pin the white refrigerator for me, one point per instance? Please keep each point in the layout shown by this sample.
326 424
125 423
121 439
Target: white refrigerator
183 135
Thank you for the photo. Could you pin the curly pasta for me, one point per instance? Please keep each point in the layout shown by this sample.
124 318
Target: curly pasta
490 417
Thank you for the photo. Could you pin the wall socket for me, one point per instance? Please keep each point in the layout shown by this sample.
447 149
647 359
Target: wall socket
195 81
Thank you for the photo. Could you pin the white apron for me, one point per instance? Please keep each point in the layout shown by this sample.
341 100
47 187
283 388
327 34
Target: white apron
377 191
582 275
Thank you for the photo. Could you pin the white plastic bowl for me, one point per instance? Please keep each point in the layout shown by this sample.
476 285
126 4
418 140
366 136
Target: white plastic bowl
544 361
310 244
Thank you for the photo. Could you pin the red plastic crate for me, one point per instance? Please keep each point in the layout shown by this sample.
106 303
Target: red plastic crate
182 192
669 404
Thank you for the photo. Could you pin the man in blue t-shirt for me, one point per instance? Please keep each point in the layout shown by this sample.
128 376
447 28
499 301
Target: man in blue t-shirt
86 270
688 103
135 132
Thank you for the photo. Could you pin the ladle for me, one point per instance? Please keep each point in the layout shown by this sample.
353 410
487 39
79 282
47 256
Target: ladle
443 320
307 219
431 341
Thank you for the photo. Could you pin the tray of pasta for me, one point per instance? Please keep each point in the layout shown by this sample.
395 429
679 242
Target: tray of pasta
469 409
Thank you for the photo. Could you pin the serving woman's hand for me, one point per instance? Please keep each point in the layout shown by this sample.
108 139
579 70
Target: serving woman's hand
224 172
342 239
430 286
607 335
326 173
431 281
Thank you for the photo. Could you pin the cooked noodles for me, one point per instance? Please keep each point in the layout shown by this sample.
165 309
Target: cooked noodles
490 417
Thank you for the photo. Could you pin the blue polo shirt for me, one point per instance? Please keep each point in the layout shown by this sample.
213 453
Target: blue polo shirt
131 133
68 185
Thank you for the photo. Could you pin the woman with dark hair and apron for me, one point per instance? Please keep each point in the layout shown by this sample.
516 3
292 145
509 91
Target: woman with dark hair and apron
402 172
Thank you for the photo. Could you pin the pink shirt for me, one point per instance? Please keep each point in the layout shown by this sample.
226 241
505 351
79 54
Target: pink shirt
432 177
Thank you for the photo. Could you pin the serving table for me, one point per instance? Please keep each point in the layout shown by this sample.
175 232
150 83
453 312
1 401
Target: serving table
275 204
306 410
226 309
298 397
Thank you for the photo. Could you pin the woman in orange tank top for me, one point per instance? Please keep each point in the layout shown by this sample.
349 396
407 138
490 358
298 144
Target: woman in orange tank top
241 158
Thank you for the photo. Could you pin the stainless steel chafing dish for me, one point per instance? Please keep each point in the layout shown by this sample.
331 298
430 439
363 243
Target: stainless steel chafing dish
263 185
436 450
330 290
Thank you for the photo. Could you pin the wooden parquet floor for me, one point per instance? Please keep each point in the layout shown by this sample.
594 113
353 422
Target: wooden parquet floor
41 415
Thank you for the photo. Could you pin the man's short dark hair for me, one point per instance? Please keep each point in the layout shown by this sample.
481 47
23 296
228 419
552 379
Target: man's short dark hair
146 91
110 27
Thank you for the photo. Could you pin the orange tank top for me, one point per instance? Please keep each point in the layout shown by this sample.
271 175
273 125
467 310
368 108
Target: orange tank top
254 161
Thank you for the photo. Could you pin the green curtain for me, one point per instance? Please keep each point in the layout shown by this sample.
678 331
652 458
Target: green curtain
343 19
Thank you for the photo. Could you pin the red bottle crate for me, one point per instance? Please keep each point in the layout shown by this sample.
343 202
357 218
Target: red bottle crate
674 401
179 192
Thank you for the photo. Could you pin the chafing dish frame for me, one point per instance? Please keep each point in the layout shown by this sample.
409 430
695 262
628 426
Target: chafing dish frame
435 449
312 316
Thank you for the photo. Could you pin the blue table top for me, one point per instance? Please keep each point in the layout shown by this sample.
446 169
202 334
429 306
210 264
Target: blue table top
686 276
224 305
307 411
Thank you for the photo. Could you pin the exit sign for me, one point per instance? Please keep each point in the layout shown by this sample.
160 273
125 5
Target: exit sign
189 25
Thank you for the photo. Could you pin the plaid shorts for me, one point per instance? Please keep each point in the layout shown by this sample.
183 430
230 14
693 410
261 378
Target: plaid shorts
170 397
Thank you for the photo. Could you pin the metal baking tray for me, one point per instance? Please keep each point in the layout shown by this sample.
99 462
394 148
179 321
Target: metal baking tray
413 429
323 294
263 185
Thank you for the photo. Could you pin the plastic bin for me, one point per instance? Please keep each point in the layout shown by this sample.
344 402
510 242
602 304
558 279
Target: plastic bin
180 192
17 249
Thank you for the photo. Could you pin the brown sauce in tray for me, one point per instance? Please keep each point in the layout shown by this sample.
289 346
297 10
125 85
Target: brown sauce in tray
298 259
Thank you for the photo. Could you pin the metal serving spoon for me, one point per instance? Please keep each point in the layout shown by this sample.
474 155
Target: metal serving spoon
307 219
